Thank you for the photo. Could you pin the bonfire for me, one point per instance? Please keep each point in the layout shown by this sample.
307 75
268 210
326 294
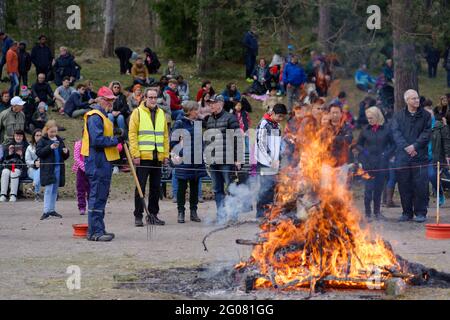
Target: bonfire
312 234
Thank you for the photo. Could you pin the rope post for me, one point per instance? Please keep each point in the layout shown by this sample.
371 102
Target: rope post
438 189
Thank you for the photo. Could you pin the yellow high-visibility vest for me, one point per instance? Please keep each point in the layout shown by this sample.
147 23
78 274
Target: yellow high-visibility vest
111 153
149 136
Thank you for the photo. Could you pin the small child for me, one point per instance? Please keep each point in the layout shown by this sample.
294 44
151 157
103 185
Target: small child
82 180
40 117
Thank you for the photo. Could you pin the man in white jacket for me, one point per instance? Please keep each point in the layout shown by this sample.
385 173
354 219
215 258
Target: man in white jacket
268 145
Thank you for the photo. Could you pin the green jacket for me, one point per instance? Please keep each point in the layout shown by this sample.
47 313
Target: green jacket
440 142
10 121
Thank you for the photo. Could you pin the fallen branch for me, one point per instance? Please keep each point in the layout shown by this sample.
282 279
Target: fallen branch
238 224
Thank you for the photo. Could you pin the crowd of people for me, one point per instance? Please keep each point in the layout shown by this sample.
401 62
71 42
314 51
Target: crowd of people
394 148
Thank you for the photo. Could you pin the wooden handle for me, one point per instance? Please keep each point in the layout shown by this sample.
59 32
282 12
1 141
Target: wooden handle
133 170
437 191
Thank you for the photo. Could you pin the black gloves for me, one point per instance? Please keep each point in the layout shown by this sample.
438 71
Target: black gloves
119 133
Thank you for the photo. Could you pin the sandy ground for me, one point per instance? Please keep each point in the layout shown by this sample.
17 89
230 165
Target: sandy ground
36 254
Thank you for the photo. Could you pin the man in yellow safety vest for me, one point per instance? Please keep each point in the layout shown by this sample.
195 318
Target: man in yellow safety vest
149 147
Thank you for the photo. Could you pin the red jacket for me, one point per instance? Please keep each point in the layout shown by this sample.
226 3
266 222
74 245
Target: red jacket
175 101
12 62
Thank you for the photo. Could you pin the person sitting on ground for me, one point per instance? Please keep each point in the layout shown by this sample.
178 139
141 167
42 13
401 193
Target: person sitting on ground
120 110
171 72
13 165
183 88
275 68
261 78
82 181
206 88
363 80
231 95
12 119
89 93
135 99
188 171
52 153
139 73
29 108
151 61
74 106
40 117
5 100
204 108
62 94
64 66
268 153
41 91
33 163
175 101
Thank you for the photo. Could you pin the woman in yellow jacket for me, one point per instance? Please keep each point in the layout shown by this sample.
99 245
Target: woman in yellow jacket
149 148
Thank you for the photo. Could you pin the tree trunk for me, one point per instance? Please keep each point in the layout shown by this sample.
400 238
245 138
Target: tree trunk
110 23
154 24
48 19
405 64
324 24
3 15
203 38
218 39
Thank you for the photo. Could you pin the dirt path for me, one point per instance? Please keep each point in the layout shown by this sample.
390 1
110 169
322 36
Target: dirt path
35 255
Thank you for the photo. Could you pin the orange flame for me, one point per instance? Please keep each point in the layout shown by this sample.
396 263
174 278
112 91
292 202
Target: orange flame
326 242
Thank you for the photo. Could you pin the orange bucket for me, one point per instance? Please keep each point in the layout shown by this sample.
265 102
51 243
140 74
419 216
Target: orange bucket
437 231
80 230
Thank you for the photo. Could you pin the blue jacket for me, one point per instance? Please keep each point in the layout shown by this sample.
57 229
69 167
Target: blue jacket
409 130
363 78
251 43
293 74
74 103
7 43
227 95
191 170
96 163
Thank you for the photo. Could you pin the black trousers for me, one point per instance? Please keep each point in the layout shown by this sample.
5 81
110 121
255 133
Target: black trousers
193 194
125 64
432 70
414 193
153 174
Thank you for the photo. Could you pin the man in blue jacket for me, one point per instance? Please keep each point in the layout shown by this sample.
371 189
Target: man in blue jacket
7 43
411 129
99 150
74 106
293 77
251 52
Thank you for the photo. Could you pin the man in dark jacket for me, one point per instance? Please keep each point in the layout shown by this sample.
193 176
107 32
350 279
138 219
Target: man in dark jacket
411 129
74 107
151 61
24 63
432 55
65 67
222 128
42 56
447 64
251 52
7 43
124 54
41 91
343 137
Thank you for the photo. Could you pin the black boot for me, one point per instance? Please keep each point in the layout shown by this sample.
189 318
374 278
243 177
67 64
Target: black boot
153 219
194 216
181 213
138 222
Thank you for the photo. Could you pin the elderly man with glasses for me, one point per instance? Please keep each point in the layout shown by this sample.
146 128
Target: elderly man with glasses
149 148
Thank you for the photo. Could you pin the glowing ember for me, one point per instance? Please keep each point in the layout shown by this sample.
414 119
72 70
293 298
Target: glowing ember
325 244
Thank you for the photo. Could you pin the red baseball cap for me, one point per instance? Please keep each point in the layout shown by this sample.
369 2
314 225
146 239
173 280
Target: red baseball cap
105 92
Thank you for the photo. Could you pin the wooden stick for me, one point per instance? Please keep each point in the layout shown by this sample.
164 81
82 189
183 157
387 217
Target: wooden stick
437 192
138 186
244 242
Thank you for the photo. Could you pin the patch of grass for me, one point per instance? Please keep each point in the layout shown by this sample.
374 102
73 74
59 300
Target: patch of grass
102 71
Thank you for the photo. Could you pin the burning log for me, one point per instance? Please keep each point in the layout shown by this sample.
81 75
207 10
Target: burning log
244 242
